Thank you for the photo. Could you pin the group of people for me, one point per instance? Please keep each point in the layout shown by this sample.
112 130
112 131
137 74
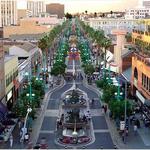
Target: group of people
104 109
22 139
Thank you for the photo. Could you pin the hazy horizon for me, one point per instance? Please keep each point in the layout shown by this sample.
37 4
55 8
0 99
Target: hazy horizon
75 6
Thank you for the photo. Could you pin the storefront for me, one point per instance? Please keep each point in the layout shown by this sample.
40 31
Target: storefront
144 104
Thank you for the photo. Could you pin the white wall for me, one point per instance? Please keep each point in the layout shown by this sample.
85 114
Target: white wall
14 50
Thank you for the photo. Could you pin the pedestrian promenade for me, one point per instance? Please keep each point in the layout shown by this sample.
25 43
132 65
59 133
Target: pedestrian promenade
138 141
36 124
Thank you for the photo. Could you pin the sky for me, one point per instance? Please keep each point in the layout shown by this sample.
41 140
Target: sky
73 6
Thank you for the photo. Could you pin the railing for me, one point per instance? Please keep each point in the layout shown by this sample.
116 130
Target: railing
142 57
141 32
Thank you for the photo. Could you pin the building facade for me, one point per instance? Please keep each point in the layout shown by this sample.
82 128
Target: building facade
8 12
141 34
36 7
55 9
26 27
146 4
2 81
141 64
137 13
108 24
11 80
28 51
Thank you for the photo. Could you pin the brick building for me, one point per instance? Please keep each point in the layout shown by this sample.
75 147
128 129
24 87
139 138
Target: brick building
141 63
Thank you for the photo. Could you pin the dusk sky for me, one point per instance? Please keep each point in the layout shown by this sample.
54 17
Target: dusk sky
73 6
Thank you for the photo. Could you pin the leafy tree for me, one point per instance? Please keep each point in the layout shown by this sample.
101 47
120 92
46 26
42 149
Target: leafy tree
101 83
58 69
128 37
117 108
68 16
89 69
95 14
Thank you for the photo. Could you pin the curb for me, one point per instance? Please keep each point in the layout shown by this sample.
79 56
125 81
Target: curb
115 136
34 137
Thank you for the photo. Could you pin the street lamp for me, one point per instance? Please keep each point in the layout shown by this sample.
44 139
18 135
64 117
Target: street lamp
125 105
30 87
24 129
118 95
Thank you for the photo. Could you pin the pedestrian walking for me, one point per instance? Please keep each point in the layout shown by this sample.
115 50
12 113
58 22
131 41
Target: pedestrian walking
19 123
26 137
11 140
135 129
92 101
105 109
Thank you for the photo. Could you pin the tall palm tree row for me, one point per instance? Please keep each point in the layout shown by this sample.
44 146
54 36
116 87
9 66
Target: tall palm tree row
46 41
98 36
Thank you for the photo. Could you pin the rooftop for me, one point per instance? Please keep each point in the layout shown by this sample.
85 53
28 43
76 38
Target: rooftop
26 36
127 74
8 57
27 46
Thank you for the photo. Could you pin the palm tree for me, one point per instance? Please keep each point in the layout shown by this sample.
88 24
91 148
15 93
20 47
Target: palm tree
111 12
106 43
95 14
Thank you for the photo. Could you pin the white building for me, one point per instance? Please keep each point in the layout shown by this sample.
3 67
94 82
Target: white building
137 13
36 7
146 3
108 24
8 12
27 51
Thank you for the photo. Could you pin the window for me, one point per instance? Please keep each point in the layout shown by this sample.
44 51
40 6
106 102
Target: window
136 73
146 83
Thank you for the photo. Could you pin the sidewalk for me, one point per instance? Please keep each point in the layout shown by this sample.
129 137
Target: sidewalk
139 141
16 131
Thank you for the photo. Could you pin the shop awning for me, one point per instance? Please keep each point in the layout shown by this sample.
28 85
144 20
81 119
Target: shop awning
127 74
3 108
142 98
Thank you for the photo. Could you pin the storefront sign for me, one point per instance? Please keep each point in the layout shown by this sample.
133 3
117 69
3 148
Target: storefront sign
122 125
140 97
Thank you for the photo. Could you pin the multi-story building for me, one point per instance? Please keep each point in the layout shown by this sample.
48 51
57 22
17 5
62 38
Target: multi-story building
137 13
27 51
27 27
11 80
36 7
2 83
8 12
55 8
146 3
23 13
108 24
141 64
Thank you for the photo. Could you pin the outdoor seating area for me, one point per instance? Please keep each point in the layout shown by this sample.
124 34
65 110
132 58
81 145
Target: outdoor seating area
7 125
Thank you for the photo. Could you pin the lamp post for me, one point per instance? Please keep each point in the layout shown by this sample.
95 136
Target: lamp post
30 86
125 106
118 93
24 129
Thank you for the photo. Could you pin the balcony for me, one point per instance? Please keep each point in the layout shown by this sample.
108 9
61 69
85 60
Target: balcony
143 58
139 34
